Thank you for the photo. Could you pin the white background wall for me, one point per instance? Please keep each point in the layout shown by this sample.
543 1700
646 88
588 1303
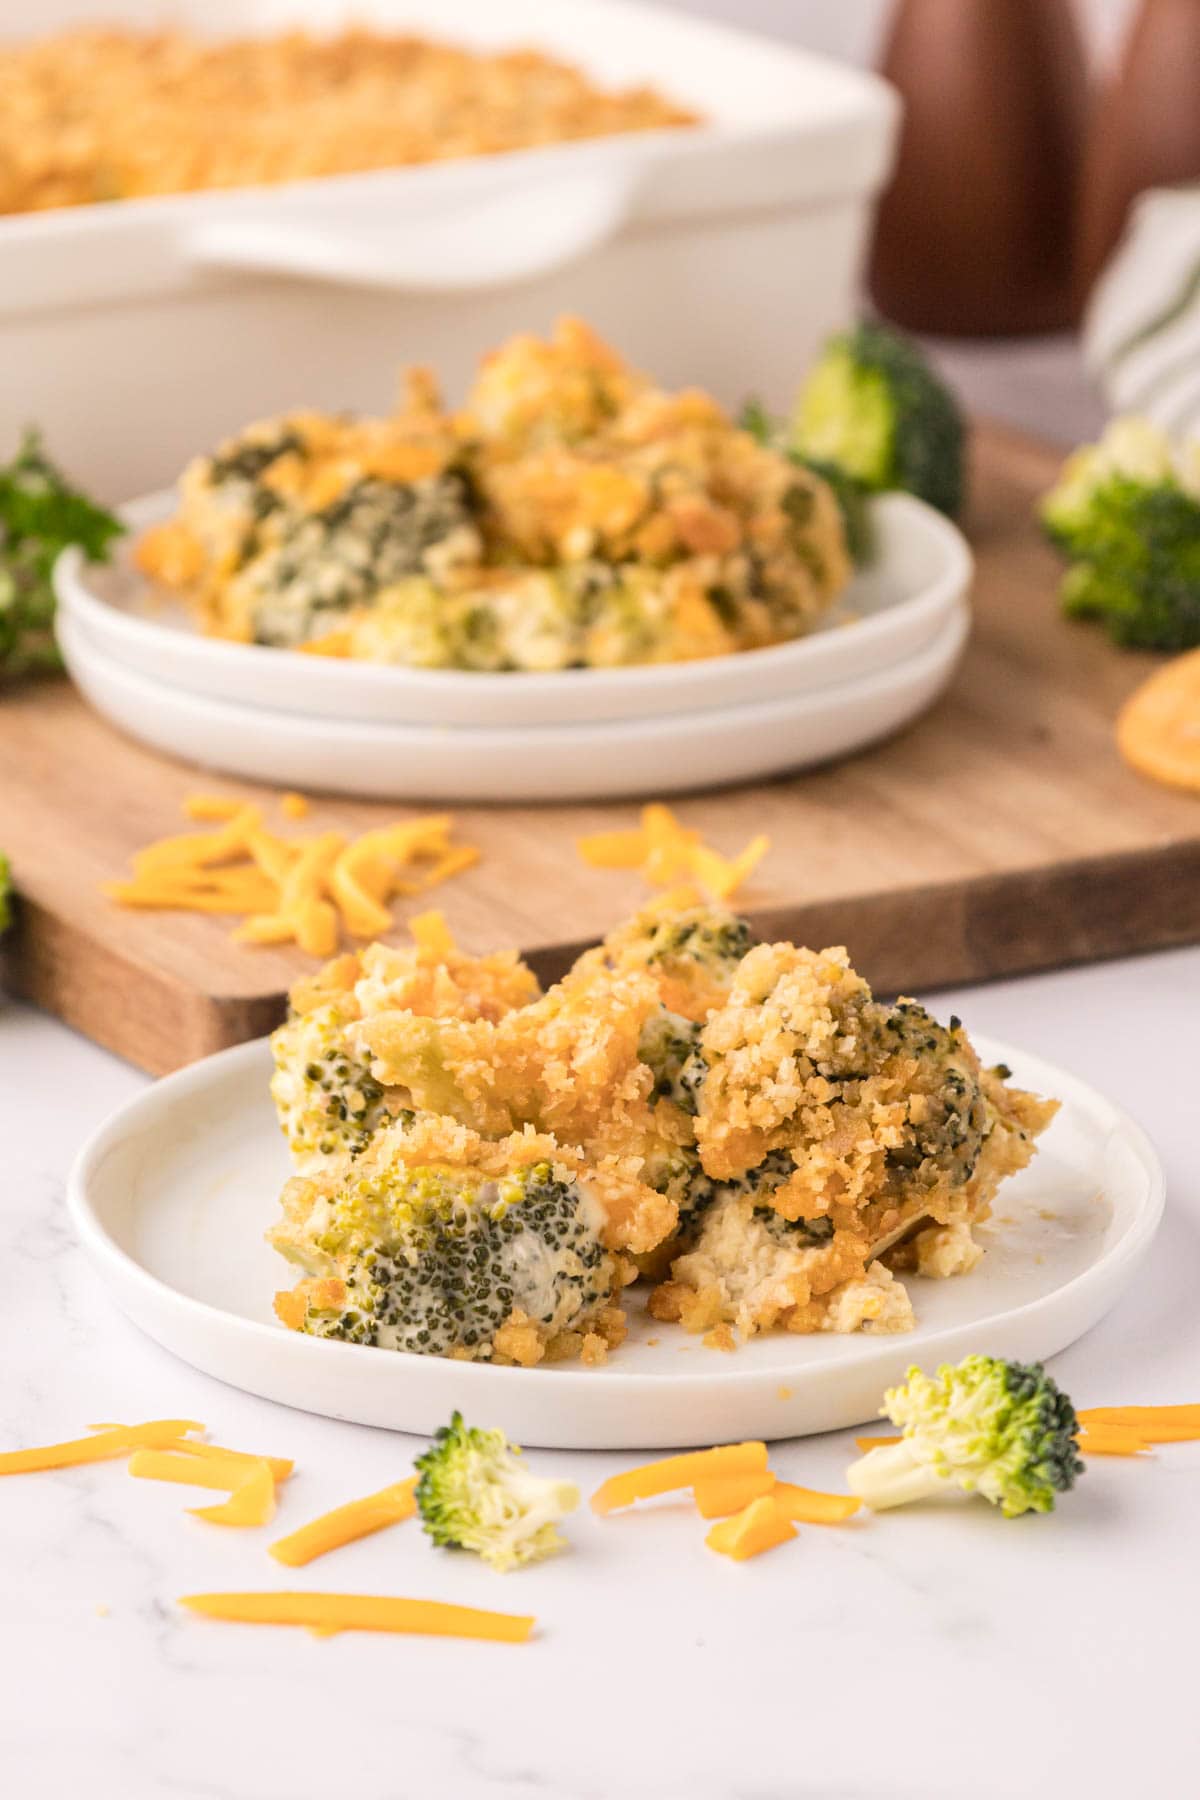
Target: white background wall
851 28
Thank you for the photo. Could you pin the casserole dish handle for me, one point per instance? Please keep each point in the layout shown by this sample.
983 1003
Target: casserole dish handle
499 239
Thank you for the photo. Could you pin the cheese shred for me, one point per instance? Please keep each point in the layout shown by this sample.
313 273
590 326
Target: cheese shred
664 852
302 891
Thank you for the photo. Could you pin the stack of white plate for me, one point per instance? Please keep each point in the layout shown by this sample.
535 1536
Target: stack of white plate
879 659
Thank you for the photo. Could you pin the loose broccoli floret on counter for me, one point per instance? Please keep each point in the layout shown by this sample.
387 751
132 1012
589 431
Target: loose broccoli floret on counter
999 1429
873 408
1126 513
445 1261
40 514
475 1493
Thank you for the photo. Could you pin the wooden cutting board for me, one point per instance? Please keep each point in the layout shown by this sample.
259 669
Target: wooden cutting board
1000 833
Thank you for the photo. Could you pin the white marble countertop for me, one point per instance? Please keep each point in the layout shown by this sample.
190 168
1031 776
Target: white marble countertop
930 1655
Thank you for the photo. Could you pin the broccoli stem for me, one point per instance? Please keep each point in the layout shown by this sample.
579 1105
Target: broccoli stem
893 1476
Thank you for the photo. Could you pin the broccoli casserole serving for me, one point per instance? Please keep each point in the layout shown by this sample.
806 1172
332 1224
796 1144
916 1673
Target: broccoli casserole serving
573 514
92 115
483 1168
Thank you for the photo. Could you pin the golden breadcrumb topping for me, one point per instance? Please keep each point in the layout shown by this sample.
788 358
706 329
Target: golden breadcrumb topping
90 115
573 514
740 1125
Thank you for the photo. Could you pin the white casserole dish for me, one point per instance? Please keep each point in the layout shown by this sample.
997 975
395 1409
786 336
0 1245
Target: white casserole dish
894 607
134 332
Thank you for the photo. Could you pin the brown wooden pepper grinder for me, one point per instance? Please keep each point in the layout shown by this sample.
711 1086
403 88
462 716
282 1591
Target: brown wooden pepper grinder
1145 132
976 233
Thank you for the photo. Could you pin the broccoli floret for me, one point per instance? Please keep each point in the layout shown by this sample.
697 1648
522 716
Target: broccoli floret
874 408
40 514
475 1493
328 1101
706 935
669 1045
1124 513
999 1429
436 1260
850 493
776 1167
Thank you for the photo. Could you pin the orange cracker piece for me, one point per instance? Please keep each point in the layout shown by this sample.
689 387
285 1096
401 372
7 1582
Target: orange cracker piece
1158 728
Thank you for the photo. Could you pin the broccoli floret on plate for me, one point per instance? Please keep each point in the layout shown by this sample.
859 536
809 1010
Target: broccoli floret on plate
445 1261
873 408
328 1101
999 1429
669 1045
475 1493
1126 513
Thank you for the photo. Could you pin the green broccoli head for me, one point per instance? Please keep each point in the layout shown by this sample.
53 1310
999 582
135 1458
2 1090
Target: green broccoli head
328 1101
1125 513
999 1429
40 514
475 1493
873 408
669 1045
707 935
848 491
436 1260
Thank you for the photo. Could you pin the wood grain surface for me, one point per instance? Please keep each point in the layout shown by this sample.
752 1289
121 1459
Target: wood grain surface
999 833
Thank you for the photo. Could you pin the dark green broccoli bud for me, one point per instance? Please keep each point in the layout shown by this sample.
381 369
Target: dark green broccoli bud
1122 514
850 493
852 496
776 1167
475 1493
436 1260
706 935
999 1429
874 408
328 1101
670 1047
40 514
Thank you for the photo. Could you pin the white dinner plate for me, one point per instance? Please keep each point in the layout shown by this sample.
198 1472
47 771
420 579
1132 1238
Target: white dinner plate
921 569
535 763
172 1196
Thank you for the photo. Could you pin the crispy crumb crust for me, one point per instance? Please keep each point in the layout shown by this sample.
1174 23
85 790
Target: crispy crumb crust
897 1139
108 114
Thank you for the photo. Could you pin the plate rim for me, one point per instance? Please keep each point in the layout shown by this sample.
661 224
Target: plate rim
943 648
117 1265
701 678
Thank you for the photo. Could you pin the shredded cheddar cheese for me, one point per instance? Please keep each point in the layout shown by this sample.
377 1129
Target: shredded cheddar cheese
252 1502
675 1472
760 1526
717 1496
106 1445
346 1524
327 1614
665 851
304 891
808 1507
1153 1424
